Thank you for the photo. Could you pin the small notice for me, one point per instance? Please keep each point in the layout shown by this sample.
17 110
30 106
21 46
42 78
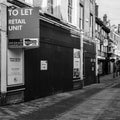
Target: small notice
44 65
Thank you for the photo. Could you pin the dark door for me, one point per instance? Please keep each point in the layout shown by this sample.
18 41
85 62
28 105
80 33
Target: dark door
89 70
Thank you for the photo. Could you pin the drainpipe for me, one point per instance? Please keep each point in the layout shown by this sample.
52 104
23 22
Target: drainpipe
97 77
81 59
3 47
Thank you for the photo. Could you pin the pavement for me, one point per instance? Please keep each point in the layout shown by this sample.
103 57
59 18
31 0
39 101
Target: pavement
94 102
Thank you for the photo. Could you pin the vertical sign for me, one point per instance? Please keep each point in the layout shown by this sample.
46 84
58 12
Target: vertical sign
76 63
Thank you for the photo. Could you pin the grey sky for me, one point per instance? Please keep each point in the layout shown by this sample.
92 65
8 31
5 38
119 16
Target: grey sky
111 8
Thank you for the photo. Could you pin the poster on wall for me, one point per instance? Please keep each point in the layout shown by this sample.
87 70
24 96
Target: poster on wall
15 67
43 65
76 63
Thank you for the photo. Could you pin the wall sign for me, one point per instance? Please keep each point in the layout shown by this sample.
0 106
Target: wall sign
23 23
15 43
105 42
43 65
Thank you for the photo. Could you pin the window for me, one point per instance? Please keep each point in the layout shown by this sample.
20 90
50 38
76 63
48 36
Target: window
70 11
50 6
81 17
96 27
91 25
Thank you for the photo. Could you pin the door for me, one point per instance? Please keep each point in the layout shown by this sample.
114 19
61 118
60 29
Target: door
89 70
56 77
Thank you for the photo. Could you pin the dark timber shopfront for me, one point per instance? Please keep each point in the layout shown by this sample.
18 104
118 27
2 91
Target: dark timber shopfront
49 68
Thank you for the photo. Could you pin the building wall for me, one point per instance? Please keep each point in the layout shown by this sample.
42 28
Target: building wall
60 9
0 44
56 48
59 38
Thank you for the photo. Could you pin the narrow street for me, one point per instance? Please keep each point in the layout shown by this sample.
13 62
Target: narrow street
94 102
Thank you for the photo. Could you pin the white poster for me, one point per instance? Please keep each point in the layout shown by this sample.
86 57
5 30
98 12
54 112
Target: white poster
76 63
44 65
15 67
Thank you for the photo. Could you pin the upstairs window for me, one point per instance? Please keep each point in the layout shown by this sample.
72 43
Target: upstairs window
50 6
91 25
81 17
70 11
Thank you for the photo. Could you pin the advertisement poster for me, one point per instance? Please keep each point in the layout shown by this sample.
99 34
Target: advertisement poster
15 67
76 63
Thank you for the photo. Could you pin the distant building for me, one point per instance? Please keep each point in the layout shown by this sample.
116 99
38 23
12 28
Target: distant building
114 48
102 38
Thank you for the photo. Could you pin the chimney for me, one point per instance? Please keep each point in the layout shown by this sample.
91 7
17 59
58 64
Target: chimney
96 10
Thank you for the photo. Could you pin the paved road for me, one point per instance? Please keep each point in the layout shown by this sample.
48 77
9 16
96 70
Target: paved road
94 102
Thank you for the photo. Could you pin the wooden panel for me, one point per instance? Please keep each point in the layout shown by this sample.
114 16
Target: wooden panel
57 77
55 35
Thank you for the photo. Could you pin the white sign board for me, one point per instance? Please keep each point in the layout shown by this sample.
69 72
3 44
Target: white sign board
30 42
105 42
44 65
15 67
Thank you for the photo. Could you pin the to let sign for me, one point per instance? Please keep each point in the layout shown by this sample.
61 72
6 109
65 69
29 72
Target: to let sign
23 23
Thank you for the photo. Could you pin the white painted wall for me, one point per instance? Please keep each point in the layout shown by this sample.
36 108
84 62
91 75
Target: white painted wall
3 48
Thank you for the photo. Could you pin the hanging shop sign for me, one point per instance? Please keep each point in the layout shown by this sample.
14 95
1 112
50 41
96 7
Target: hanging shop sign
23 23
